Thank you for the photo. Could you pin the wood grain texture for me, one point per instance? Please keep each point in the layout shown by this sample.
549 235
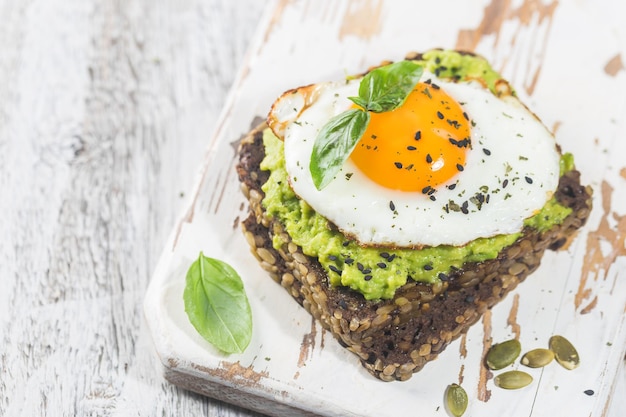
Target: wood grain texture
106 108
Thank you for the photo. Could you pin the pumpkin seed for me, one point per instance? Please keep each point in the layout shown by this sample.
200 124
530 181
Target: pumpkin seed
564 352
537 358
503 354
456 400
513 380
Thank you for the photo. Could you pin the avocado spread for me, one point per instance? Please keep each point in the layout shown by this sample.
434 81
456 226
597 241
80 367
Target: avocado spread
377 272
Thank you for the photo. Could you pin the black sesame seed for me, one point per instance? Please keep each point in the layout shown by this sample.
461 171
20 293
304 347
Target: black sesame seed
466 116
487 199
411 148
528 180
459 167
367 271
391 257
367 277
442 276
418 135
428 81
345 243
426 189
381 265
440 115
384 255
589 392
428 267
505 183
453 123
392 206
334 269
429 158
452 186
435 86
432 198
348 261
486 151
332 257
360 266
398 165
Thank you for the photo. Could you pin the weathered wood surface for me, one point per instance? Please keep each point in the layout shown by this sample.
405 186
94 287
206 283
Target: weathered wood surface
105 111
106 108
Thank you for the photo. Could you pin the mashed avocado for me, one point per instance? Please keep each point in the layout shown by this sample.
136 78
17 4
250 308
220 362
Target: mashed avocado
451 64
378 272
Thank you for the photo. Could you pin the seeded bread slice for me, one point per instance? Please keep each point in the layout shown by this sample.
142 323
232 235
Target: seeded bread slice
396 338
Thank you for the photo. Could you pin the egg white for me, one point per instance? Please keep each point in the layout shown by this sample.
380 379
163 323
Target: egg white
519 149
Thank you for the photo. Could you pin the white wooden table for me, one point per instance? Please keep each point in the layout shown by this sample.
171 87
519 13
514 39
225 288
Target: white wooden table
105 112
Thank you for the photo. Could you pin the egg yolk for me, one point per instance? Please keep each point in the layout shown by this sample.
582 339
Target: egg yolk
417 146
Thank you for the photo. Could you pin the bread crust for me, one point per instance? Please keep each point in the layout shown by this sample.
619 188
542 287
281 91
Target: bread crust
395 338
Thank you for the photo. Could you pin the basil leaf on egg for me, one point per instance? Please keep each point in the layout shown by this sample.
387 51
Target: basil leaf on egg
382 89
385 88
216 304
335 143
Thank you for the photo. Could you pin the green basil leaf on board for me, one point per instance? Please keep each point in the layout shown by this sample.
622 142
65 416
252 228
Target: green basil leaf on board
385 88
217 305
335 143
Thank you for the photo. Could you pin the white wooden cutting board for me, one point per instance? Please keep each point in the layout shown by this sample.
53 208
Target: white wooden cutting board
566 61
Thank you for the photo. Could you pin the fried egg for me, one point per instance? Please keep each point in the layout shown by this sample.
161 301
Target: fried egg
452 164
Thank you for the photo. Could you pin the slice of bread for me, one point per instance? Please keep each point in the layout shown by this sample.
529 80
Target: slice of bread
395 338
